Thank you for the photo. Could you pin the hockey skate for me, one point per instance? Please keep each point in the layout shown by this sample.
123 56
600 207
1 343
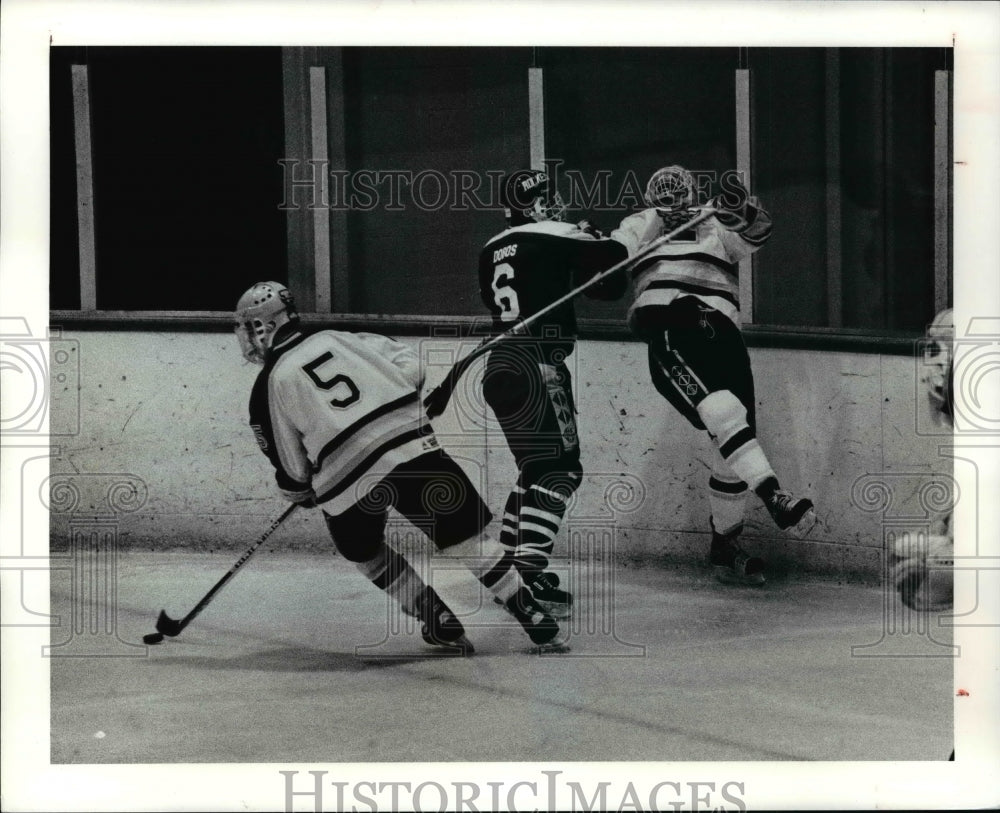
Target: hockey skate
440 626
541 627
546 592
790 513
731 564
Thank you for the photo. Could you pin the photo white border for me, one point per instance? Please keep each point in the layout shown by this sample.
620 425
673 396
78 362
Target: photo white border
28 27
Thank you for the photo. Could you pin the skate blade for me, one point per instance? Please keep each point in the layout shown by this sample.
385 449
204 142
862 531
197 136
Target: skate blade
551 648
461 647
557 610
557 644
727 575
805 525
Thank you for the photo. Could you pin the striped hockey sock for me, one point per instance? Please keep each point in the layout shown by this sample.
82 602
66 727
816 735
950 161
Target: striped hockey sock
391 573
541 515
727 498
531 520
489 562
509 521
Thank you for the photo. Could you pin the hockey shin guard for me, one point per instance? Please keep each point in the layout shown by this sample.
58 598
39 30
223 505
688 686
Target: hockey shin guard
726 420
727 497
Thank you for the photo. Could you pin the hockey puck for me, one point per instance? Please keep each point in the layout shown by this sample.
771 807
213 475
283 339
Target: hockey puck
153 638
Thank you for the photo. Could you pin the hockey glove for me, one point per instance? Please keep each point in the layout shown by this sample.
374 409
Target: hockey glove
732 203
305 498
589 228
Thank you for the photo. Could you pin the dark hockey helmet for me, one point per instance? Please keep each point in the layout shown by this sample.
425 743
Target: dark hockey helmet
263 309
529 195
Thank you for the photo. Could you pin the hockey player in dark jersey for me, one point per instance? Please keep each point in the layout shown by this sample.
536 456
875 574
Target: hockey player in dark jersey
686 308
338 415
534 261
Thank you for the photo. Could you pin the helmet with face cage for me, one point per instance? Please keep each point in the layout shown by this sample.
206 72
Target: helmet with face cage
670 189
264 308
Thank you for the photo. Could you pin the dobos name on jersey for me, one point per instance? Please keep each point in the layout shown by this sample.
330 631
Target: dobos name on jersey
503 253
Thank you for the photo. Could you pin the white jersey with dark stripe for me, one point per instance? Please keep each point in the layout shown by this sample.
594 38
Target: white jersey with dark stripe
701 262
331 407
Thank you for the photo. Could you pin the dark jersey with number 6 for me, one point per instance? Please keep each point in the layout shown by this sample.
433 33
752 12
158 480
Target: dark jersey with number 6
525 268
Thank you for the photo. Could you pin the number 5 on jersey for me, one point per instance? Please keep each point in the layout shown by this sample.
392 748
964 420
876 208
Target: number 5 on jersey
347 390
505 296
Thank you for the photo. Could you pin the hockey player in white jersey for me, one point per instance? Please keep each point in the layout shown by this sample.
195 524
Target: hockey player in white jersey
923 566
686 308
339 416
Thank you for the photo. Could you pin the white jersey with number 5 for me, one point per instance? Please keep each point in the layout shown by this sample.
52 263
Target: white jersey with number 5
337 410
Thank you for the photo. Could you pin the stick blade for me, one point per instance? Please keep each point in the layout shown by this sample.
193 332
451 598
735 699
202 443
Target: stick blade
167 625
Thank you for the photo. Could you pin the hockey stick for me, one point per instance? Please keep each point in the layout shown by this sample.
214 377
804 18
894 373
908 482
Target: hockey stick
437 399
165 625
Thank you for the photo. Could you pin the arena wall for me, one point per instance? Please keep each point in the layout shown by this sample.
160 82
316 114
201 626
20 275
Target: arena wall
167 412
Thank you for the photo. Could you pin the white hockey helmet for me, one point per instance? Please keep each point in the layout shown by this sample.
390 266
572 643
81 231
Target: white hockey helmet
942 327
264 308
940 338
670 189
938 353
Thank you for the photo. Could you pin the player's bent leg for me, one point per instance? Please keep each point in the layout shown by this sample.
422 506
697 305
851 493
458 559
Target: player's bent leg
359 537
789 512
496 570
542 511
533 404
509 519
515 389
731 564
727 497
725 417
547 453
440 626
457 529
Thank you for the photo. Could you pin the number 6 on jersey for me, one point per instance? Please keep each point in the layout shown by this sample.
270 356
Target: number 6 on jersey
505 296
